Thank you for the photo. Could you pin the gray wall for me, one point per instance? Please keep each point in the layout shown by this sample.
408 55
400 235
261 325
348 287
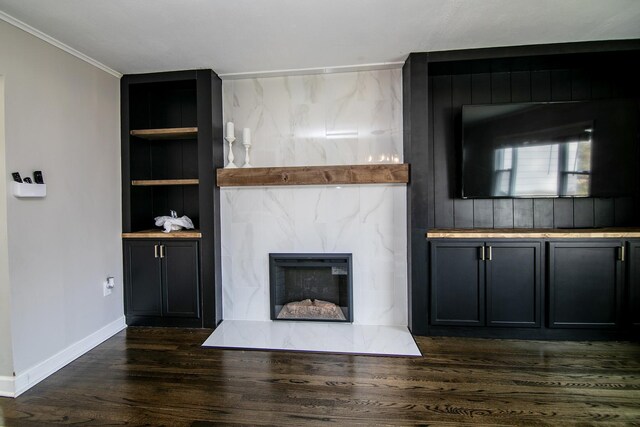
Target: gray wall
6 359
62 117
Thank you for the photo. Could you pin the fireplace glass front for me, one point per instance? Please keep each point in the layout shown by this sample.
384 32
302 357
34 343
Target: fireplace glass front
311 287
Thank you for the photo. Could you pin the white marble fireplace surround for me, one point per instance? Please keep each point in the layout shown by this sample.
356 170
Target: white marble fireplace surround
325 119
366 221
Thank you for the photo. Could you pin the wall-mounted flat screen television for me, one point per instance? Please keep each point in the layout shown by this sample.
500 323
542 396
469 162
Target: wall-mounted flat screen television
552 149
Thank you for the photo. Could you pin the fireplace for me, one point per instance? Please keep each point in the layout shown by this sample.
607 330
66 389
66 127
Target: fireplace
316 287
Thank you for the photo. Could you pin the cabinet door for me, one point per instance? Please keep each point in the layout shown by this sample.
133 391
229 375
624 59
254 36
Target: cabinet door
142 278
633 262
513 284
457 284
585 284
180 274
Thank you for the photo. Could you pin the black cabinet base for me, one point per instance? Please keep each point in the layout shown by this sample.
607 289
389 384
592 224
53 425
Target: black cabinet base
535 334
163 322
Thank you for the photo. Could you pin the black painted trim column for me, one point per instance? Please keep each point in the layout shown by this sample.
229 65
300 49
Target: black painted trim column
415 83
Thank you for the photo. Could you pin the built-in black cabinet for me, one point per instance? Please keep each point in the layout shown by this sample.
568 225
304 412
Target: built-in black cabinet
492 283
585 284
143 290
457 283
536 287
436 85
171 144
162 282
633 264
513 271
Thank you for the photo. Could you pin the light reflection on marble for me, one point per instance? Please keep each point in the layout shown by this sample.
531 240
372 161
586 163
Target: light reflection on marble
314 337
332 119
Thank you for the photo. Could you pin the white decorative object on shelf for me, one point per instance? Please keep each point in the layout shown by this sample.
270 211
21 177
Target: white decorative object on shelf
230 165
230 138
246 141
23 190
173 223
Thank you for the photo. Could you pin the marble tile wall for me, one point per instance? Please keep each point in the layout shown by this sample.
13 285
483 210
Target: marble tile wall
346 118
322 119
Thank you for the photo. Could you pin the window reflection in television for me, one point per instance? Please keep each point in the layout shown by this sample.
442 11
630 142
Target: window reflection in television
549 168
576 176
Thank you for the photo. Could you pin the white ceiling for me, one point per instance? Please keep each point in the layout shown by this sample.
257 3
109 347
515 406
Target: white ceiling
251 36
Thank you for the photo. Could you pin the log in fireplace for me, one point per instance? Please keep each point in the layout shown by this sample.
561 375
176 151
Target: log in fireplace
311 287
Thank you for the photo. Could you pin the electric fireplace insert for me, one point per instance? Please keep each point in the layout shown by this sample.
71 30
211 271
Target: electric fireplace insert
316 287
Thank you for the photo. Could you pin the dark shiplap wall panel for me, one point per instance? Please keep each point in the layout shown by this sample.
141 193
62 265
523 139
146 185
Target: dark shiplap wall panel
500 87
463 213
518 80
443 154
561 85
416 109
430 183
480 88
503 213
601 85
460 95
580 85
603 211
520 86
542 213
563 213
623 210
583 213
540 86
482 213
523 213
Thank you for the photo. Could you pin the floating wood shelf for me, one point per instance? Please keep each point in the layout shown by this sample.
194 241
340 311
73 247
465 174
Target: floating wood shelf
147 182
315 175
158 234
535 233
166 133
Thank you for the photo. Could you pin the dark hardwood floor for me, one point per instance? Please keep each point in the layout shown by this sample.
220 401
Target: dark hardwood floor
146 376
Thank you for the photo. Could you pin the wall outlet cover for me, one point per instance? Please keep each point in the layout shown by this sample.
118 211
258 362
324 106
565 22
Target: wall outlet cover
107 286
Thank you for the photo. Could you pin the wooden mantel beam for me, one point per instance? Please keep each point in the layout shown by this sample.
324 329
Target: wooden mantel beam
396 173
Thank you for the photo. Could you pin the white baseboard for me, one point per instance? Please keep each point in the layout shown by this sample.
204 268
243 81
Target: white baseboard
23 381
7 386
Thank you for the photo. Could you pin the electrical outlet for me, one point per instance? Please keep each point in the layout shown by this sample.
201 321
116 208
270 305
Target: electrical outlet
108 285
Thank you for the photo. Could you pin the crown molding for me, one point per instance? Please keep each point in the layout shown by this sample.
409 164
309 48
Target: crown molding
57 43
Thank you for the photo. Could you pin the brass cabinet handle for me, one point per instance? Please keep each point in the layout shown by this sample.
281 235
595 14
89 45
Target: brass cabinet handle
155 251
482 253
622 253
161 251
489 256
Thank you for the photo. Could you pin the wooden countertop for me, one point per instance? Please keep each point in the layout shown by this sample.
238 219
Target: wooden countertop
534 233
159 234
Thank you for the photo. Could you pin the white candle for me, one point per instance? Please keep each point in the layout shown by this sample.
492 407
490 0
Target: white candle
246 136
230 130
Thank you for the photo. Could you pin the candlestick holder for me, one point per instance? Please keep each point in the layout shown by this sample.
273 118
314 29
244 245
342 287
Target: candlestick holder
230 165
247 146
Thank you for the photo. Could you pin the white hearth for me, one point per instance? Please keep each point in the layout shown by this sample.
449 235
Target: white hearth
314 337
